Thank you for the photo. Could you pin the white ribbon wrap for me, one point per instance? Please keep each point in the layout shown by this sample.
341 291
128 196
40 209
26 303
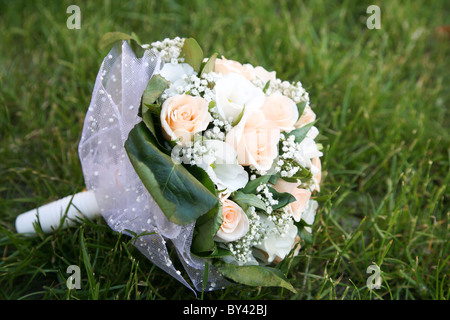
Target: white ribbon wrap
66 210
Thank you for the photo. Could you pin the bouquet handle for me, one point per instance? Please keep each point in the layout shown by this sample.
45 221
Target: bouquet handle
49 216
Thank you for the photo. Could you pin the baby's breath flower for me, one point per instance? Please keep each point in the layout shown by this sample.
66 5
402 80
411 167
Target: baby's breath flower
242 248
170 49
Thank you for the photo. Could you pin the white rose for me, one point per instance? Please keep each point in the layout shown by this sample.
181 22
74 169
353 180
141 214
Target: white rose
173 72
274 247
235 222
310 149
310 213
312 133
233 93
222 167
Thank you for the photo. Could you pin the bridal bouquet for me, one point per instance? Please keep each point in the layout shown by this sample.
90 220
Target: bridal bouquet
214 156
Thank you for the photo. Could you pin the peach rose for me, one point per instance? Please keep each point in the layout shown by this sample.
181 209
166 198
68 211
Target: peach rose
256 141
301 196
281 109
225 66
182 116
265 75
307 116
235 222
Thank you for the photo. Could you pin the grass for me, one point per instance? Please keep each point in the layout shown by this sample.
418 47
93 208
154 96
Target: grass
382 97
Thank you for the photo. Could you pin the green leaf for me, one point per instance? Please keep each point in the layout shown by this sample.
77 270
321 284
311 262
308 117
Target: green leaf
205 277
207 225
181 197
155 128
110 38
302 174
204 178
251 186
210 64
255 275
147 118
211 105
193 54
154 89
300 133
136 38
217 252
301 107
284 198
239 117
245 200
266 86
305 235
274 178
205 230
154 108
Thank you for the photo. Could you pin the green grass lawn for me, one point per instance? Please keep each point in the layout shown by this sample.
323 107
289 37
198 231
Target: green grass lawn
382 98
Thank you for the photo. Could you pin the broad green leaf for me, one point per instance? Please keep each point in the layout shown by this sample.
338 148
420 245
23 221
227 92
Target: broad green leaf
283 198
274 178
245 200
154 89
154 108
136 38
181 197
109 38
210 64
300 133
147 118
255 275
217 252
154 128
193 54
302 174
205 230
251 186
207 225
305 235
204 178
